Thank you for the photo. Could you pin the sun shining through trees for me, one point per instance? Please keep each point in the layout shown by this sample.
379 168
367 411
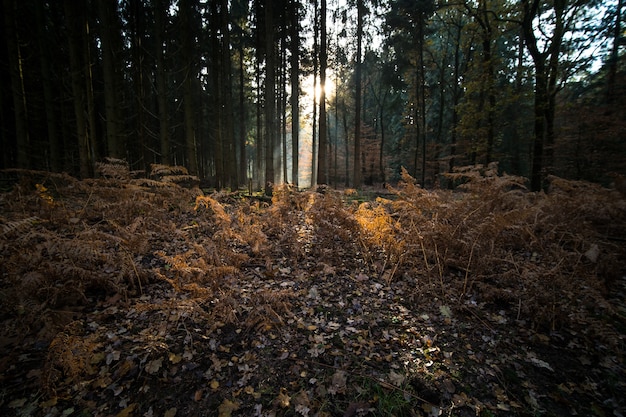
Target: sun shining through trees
311 94
207 85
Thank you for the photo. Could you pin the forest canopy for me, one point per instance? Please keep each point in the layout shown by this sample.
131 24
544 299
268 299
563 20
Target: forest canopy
236 91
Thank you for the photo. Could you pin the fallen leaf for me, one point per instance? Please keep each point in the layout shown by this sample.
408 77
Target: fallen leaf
175 358
227 407
358 409
128 411
396 378
445 311
171 412
153 366
50 403
17 403
282 400
338 384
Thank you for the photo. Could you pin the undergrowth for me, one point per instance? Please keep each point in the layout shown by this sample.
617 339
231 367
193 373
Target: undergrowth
549 259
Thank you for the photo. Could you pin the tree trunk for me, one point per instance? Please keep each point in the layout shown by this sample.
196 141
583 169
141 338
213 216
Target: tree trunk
295 91
52 115
314 122
243 159
17 85
270 99
546 75
228 141
161 81
108 30
323 142
422 98
185 8
74 14
614 57
357 98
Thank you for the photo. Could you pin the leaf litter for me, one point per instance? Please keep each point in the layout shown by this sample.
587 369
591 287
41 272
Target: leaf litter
126 298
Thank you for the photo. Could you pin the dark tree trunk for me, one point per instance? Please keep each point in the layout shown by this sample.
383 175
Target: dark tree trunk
160 32
17 85
188 46
109 30
357 97
76 22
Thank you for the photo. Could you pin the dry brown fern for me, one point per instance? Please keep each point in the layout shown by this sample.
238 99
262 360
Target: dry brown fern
113 168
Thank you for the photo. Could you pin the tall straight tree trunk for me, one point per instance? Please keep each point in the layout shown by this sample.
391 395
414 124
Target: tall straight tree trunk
456 98
138 35
357 97
283 106
259 154
230 156
323 142
108 16
613 59
270 98
185 9
422 97
314 123
52 115
159 36
295 91
74 14
17 85
243 162
92 140
381 157
215 58
346 134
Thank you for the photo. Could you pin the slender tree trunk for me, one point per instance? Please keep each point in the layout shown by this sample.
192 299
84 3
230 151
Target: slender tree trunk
346 134
55 162
92 140
140 84
357 97
381 156
243 159
259 171
456 97
185 9
270 99
17 85
218 126
108 15
422 84
613 60
314 124
227 99
74 14
295 91
323 142
161 81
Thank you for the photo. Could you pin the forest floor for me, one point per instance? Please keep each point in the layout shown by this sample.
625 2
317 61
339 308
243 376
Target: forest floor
123 297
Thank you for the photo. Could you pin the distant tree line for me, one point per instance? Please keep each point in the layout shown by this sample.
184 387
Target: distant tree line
218 86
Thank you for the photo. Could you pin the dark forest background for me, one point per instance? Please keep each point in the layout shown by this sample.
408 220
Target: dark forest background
218 86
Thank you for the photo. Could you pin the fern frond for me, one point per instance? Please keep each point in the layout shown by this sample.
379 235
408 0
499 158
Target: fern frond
15 227
113 168
159 171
